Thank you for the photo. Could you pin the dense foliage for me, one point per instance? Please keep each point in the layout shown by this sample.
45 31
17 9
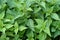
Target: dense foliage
29 19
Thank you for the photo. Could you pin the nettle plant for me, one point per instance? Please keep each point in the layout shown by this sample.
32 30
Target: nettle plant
29 19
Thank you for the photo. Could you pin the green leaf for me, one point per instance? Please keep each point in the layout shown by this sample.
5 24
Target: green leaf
43 4
1 23
16 37
6 20
53 29
47 28
30 34
36 10
3 37
55 16
42 36
57 33
51 1
49 22
39 21
56 24
7 38
29 2
2 14
9 33
30 23
3 30
29 9
31 39
7 26
41 24
49 11
21 28
16 27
